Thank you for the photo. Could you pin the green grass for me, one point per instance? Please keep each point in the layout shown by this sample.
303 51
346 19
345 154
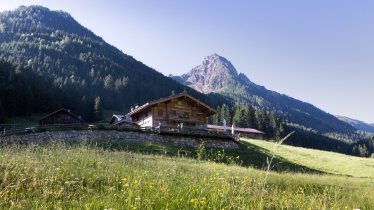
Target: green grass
81 176
328 162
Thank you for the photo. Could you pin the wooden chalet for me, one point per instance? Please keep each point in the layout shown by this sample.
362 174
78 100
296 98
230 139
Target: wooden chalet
61 116
241 132
180 109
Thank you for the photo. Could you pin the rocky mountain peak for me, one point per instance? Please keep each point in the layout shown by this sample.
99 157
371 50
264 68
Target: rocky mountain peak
213 74
216 63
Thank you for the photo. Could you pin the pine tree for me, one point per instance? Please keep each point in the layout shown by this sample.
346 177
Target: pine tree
261 120
226 114
108 82
98 109
241 117
236 119
2 113
363 151
251 117
217 117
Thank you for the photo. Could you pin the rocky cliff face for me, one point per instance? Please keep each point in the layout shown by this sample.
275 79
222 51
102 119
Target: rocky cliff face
212 75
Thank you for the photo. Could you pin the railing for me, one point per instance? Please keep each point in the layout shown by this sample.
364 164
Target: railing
195 131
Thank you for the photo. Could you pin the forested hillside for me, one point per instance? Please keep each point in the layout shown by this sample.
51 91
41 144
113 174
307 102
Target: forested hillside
357 124
217 75
274 113
59 63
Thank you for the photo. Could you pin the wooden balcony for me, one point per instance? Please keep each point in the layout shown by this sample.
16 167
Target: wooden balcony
198 131
186 119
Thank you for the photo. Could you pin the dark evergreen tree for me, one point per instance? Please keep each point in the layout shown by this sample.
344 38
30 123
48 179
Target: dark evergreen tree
98 109
226 115
217 118
251 117
262 120
241 116
2 113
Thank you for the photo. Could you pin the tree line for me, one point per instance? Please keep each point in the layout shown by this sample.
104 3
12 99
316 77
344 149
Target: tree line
23 92
245 116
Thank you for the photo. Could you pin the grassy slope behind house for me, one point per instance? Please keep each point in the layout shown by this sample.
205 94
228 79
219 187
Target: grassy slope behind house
328 162
85 177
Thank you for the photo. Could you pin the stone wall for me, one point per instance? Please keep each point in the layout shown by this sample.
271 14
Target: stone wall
135 137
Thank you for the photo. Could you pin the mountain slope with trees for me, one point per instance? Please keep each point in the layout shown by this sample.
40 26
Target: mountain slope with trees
217 75
79 70
357 124
274 113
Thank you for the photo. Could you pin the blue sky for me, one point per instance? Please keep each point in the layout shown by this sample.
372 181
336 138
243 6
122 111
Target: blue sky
321 52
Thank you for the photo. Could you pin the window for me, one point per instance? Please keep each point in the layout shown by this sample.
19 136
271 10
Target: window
173 113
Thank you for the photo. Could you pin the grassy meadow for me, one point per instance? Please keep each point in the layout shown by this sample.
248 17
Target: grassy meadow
328 162
91 176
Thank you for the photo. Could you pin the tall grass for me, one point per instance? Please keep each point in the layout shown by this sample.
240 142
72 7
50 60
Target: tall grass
85 177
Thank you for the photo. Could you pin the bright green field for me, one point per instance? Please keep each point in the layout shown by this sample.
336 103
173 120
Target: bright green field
329 162
80 176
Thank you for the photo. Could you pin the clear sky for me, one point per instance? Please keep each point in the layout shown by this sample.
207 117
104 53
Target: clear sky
319 51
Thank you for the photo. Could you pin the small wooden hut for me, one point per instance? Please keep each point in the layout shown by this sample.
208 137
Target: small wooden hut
61 116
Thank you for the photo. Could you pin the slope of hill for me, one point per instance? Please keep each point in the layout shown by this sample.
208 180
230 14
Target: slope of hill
217 75
328 162
80 176
360 125
78 65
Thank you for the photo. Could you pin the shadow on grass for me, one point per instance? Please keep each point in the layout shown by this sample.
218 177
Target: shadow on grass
250 155
256 157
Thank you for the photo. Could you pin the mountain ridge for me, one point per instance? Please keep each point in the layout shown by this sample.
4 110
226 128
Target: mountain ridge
241 89
361 125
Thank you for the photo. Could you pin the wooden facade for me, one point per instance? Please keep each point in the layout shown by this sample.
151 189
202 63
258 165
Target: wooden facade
180 109
61 116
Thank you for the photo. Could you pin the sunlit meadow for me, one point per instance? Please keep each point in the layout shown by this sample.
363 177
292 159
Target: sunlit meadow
89 177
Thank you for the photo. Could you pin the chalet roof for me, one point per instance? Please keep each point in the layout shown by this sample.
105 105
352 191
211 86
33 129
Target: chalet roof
244 130
116 118
185 95
66 111
119 117
124 121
